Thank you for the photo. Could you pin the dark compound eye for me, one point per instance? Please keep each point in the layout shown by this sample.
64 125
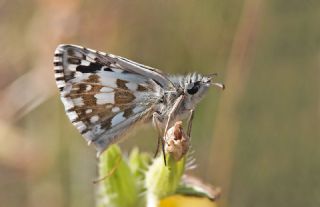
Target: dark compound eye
193 88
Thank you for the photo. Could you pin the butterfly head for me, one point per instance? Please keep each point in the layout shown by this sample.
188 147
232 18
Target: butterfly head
196 86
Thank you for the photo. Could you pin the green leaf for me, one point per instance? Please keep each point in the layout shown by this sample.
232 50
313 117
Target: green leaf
118 188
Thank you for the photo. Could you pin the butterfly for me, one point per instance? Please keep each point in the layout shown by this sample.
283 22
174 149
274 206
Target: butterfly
105 95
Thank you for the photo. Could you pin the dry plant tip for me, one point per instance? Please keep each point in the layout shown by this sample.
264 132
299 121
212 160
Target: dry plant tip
177 141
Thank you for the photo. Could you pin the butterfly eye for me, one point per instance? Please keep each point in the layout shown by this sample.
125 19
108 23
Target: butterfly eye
193 88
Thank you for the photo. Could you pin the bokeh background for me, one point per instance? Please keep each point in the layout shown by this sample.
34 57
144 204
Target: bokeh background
259 140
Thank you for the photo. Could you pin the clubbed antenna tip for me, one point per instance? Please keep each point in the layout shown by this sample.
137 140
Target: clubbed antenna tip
219 85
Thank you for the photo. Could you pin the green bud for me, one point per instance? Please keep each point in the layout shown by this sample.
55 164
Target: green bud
161 180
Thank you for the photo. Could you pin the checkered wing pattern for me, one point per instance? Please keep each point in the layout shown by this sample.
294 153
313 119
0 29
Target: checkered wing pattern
104 94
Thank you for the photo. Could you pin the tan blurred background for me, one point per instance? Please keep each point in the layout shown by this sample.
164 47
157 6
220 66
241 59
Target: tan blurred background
259 139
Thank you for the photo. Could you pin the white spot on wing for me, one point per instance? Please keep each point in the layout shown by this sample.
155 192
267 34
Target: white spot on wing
117 119
80 125
78 74
67 103
108 79
103 98
72 67
88 111
72 115
58 67
60 83
58 75
78 101
94 119
132 86
115 109
57 59
85 62
88 87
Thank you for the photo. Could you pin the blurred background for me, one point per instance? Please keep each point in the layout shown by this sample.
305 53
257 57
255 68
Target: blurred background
258 140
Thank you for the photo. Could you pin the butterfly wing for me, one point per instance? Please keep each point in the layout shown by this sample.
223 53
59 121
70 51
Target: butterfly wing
103 94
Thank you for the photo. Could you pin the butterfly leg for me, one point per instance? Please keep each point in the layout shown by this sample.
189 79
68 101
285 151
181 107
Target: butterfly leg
156 118
190 123
155 121
170 116
172 112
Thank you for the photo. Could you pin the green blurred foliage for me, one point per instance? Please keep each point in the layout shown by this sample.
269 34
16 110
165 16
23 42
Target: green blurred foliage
274 155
